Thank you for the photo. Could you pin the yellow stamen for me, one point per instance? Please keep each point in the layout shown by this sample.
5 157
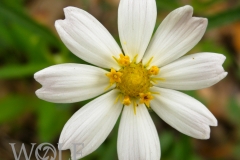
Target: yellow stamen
145 98
154 70
126 100
155 93
135 58
124 60
118 97
134 107
108 86
148 63
114 76
157 79
115 59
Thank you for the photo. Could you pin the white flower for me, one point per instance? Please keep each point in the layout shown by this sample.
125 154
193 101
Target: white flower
142 77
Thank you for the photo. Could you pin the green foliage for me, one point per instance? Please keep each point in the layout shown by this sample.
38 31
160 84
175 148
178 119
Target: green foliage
201 6
165 5
166 141
20 71
234 110
224 18
12 107
13 16
51 119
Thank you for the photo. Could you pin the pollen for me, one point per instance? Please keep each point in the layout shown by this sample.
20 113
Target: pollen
126 100
146 98
123 60
154 70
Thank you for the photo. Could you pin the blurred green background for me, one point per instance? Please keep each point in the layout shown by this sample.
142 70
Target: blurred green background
29 43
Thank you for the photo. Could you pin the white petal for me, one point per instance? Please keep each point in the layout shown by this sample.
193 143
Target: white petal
195 71
177 34
137 135
87 38
136 21
183 112
67 83
91 125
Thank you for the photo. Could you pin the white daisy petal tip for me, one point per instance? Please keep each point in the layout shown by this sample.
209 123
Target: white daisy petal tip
62 146
38 93
202 23
62 143
223 75
178 33
205 135
69 83
187 9
58 24
87 38
184 113
221 58
70 11
214 122
219 68
194 71
38 76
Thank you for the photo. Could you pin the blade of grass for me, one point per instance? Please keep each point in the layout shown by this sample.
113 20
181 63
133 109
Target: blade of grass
19 71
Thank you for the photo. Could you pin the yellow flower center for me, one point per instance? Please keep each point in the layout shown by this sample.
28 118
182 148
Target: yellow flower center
133 81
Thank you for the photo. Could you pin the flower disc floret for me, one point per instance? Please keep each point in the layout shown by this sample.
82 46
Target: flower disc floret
114 76
134 80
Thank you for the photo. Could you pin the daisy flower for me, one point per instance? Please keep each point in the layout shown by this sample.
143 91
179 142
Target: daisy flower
145 74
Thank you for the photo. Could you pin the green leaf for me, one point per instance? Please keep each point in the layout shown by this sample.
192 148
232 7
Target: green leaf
200 6
20 71
224 18
166 140
12 107
236 150
165 4
31 44
51 119
14 16
182 148
5 38
234 110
